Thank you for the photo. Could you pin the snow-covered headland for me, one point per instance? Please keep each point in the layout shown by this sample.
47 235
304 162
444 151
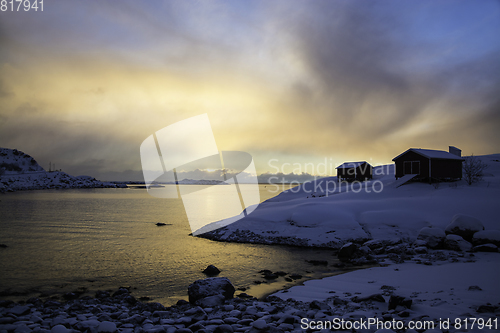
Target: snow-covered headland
19 171
324 213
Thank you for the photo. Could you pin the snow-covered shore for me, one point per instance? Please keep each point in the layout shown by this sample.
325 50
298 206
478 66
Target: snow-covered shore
453 286
433 235
324 214
19 171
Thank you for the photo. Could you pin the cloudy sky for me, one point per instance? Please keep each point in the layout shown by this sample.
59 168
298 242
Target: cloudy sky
83 83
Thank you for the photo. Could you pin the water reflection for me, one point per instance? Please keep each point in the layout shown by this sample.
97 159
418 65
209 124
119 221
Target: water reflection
61 240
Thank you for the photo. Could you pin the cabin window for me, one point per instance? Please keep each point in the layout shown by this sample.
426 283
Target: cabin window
411 168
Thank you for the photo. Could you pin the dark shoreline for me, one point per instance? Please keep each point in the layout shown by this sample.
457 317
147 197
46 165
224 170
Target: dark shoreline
121 312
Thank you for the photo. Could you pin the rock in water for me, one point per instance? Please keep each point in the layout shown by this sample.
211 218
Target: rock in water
465 226
210 287
433 237
318 262
268 275
211 270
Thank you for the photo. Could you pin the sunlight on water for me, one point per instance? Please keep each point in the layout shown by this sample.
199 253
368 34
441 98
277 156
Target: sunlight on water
60 240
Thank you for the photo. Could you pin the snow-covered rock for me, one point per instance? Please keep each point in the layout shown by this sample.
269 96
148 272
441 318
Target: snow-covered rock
485 248
464 225
457 243
486 236
210 287
433 237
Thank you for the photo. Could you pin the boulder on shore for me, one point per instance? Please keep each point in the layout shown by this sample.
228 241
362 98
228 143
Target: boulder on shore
457 243
464 226
210 287
433 237
347 251
486 237
485 248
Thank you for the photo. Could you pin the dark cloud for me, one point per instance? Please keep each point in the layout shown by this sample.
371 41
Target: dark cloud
350 52
75 147
362 82
84 85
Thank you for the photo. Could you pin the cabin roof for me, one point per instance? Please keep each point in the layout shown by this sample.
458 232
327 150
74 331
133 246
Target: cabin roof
349 165
430 153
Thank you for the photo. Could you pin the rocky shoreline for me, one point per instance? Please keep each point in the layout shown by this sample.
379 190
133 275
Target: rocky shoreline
121 312
212 306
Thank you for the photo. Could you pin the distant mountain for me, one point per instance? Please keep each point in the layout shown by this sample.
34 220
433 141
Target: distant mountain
201 182
20 171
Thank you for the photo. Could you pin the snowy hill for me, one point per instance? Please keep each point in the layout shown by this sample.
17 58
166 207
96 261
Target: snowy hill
19 171
326 214
13 161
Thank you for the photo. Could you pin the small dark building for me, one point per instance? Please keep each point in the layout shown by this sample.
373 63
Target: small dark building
431 165
354 171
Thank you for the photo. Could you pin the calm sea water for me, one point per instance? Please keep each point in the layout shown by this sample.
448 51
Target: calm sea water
62 240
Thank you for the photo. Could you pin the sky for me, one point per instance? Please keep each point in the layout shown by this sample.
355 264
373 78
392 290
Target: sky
296 84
